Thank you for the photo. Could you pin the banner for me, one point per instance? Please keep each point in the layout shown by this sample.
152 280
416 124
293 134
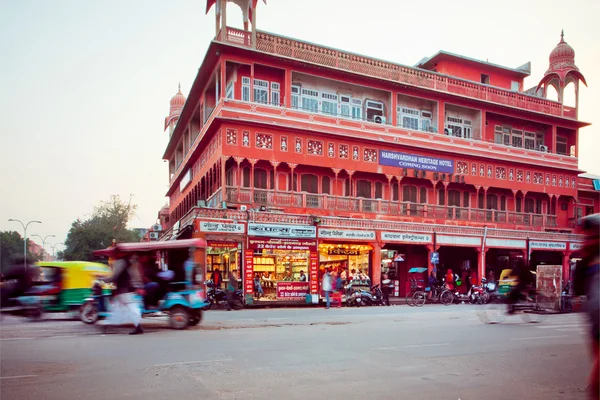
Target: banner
415 161
282 244
221 227
314 272
249 272
217 244
325 233
292 290
406 237
282 231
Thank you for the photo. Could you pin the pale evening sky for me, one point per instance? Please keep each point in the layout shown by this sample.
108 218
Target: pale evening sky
85 85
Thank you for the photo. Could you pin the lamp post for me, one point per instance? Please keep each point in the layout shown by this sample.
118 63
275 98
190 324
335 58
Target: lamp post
24 237
54 247
44 242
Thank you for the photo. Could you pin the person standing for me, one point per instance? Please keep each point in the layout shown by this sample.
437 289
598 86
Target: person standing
386 288
232 285
217 278
127 277
327 287
302 276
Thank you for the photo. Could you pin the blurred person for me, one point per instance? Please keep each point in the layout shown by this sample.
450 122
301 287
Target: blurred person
258 290
327 287
128 280
524 280
587 282
386 288
450 279
232 285
217 278
303 277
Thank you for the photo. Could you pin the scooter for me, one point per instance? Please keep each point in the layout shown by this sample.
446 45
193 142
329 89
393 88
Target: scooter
218 296
371 298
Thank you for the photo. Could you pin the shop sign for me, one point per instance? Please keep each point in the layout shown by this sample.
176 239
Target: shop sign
575 246
509 243
458 240
249 272
336 251
547 245
221 227
186 178
314 272
292 290
435 257
415 161
346 234
282 244
216 244
282 231
406 237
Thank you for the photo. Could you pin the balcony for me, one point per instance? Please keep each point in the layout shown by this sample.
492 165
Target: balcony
441 214
357 64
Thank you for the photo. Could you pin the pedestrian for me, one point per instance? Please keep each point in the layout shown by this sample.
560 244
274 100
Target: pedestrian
217 278
258 290
450 279
232 285
386 288
327 287
127 277
587 282
302 276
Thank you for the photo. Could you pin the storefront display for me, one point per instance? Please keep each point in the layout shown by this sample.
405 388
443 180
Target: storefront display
224 256
350 260
283 267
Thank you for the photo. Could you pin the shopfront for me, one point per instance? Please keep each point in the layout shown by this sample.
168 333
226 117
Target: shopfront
401 252
283 260
347 252
223 248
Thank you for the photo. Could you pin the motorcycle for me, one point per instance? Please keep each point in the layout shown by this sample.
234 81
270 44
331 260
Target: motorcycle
491 290
374 297
218 296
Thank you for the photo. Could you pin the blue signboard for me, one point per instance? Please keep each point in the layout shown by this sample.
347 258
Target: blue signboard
596 184
435 257
415 161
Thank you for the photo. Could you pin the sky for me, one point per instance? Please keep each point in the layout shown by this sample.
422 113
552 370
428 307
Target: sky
85 85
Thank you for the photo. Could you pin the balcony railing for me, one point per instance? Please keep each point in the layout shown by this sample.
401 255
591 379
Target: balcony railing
386 207
354 63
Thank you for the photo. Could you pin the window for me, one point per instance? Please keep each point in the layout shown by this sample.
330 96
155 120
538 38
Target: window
561 145
345 106
350 108
423 195
539 140
454 198
394 192
260 178
245 88
246 177
229 90
275 94
309 183
514 86
492 202
374 108
529 140
310 100
441 197
502 135
261 91
363 189
517 138
485 79
356 108
409 193
378 190
230 177
326 185
408 117
295 96
459 127
466 199
426 117
329 103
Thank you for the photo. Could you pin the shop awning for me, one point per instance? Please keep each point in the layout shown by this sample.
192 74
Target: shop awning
417 270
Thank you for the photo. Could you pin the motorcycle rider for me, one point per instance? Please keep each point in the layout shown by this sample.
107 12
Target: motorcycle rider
524 279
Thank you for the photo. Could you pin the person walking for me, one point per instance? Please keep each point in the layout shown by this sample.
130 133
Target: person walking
232 285
127 277
327 287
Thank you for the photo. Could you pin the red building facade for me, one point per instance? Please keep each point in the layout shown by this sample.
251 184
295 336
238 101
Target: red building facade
289 156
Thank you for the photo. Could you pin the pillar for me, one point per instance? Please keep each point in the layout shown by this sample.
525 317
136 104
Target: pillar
287 98
566 266
223 79
481 267
224 19
393 115
430 249
253 25
376 263
553 140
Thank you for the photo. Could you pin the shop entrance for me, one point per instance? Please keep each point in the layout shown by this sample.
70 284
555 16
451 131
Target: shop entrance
497 260
351 260
462 261
545 257
398 259
222 256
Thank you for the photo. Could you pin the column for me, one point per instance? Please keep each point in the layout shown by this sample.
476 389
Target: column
224 17
223 78
287 101
253 25
252 81
430 249
252 163
553 140
441 117
376 263
274 188
566 266
394 116
481 267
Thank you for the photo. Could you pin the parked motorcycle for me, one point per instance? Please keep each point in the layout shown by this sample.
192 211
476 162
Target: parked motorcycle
374 297
218 296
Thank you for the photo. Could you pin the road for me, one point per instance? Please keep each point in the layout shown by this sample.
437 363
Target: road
433 352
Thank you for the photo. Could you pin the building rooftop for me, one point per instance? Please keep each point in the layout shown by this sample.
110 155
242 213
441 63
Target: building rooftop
429 62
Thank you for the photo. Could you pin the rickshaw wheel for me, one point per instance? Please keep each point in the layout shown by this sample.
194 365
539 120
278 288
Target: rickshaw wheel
196 318
179 317
88 313
34 314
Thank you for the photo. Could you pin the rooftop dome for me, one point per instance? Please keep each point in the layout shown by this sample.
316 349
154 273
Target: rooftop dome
562 53
177 101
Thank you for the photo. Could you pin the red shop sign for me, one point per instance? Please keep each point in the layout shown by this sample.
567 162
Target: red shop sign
282 244
314 272
249 272
219 244
292 290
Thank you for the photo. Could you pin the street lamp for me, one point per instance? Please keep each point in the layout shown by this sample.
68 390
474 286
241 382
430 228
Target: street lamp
44 242
54 247
24 237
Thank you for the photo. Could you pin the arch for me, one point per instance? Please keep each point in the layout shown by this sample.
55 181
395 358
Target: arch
570 94
364 188
309 183
379 190
552 92
260 178
454 198
326 185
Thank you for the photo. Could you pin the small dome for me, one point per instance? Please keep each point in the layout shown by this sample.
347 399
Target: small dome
178 100
562 53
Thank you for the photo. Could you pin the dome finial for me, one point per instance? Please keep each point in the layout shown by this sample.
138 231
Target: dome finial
179 85
562 35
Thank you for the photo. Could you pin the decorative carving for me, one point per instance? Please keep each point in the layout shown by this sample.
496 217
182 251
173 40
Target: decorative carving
246 138
284 143
474 169
462 168
560 181
355 153
528 177
481 170
331 150
547 179
370 155
500 173
553 180
264 141
232 137
573 183
343 151
538 178
298 145
315 147
566 181
489 173
511 174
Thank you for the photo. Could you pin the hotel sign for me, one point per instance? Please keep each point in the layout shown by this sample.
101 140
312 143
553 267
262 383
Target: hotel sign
406 237
415 161
221 227
282 231
346 234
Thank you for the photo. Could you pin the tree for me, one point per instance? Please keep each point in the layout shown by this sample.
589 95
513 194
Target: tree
11 247
107 222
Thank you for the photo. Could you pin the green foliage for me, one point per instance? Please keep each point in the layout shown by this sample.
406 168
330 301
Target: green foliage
107 222
11 247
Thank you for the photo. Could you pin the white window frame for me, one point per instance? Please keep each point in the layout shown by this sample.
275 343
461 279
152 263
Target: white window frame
561 140
261 91
459 127
374 105
539 140
310 100
516 134
529 140
329 103
229 90
408 118
296 95
245 88
356 108
275 94
345 106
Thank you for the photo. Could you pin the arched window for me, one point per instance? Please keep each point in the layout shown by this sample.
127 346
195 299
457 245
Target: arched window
480 200
503 203
260 178
246 177
394 191
309 183
423 195
441 197
348 187
409 193
378 190
466 201
492 201
363 189
326 185
529 205
454 198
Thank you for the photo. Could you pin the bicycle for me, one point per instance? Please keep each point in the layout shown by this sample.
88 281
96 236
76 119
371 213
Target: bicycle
533 307
414 287
440 294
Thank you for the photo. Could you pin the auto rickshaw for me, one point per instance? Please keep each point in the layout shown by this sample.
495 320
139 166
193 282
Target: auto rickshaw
53 286
181 298
507 282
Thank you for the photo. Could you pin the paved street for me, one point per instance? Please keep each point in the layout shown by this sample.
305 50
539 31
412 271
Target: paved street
433 352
